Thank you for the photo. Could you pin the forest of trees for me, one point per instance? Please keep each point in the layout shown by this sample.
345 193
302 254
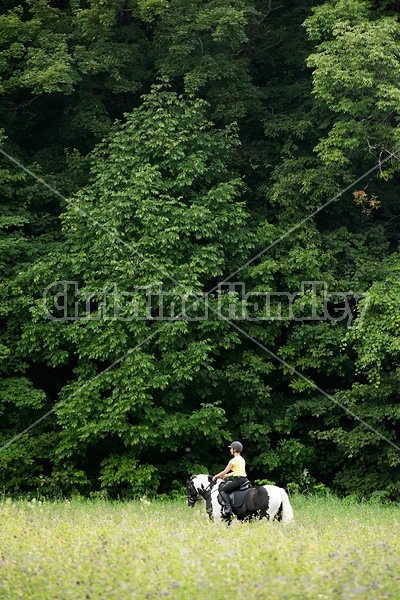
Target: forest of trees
199 147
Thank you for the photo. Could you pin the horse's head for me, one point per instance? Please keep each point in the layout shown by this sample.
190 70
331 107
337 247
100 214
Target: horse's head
196 486
192 495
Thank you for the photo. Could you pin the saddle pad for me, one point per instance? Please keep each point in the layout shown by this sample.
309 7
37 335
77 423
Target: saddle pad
237 497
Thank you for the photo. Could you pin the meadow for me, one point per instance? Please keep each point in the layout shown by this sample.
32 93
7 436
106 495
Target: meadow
82 549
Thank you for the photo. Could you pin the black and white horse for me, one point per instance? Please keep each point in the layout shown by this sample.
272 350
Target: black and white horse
268 501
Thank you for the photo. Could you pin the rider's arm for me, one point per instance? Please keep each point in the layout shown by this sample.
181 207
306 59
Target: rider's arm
227 469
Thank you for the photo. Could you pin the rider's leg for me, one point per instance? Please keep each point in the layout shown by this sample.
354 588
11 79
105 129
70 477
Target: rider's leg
226 489
227 503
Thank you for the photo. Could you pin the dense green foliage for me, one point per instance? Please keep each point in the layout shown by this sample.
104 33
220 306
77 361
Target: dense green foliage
152 145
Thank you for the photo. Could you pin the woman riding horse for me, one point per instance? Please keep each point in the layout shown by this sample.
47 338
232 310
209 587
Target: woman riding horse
268 501
235 468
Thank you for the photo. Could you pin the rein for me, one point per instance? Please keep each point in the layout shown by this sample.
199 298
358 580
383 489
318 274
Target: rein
208 487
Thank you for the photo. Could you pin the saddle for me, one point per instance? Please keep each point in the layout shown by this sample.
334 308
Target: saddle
237 496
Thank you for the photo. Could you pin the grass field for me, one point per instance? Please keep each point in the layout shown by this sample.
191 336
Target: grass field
103 550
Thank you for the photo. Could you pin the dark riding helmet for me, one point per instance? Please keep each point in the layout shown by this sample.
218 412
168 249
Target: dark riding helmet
236 446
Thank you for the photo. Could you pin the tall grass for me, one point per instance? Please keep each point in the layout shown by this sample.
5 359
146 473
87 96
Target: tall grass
103 550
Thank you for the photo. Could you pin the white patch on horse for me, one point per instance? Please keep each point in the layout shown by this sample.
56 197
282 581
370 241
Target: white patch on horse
216 506
278 497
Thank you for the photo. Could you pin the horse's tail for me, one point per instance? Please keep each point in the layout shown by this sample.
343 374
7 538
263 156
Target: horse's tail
287 510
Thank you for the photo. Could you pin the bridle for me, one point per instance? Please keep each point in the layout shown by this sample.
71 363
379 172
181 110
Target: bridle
192 495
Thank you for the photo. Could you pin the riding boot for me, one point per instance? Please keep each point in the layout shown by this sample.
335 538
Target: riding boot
227 503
